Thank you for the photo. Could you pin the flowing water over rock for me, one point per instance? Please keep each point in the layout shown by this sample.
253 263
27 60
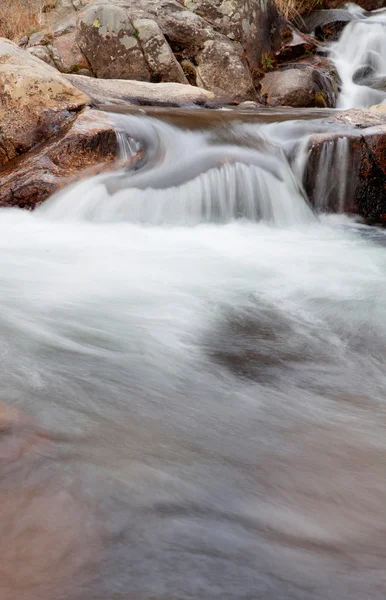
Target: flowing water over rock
206 352
360 58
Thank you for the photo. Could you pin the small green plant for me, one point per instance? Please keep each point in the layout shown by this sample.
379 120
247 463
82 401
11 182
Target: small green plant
267 61
135 33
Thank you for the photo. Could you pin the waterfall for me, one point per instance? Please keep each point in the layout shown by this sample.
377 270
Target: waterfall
360 58
186 180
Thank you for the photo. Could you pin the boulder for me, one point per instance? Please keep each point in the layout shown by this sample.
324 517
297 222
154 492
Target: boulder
110 43
221 69
117 91
89 146
352 161
298 87
35 101
160 59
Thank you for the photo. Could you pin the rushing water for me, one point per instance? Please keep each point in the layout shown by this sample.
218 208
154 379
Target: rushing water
360 58
207 355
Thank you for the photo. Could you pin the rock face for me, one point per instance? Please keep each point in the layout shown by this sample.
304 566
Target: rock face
90 145
352 162
117 91
215 44
298 87
35 101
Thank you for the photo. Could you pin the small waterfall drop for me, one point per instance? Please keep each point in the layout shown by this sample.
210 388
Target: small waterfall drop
186 180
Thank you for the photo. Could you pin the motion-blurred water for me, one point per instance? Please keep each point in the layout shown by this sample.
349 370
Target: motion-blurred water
216 351
360 58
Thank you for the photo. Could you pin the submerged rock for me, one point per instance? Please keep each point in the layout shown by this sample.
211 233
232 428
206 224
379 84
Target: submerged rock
35 101
48 515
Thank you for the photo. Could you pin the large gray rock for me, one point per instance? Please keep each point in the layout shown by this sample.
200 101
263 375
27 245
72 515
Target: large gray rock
35 101
109 41
118 91
298 87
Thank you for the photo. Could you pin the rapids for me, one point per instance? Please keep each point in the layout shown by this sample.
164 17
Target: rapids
210 354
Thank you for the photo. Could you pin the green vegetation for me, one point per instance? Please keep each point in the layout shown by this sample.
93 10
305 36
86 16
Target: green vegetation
268 62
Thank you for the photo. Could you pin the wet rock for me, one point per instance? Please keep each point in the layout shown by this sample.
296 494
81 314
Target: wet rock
327 24
357 152
298 87
221 69
115 91
35 101
362 73
157 52
109 42
30 179
366 4
296 45
360 118
374 82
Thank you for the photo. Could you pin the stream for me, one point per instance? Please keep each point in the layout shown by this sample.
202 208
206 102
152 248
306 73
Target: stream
207 350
